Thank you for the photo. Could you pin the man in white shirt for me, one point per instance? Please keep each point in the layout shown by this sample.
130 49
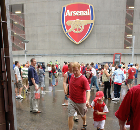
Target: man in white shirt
94 79
24 71
18 81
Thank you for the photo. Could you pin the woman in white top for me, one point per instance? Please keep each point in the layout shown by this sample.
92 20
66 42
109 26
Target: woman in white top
49 69
113 68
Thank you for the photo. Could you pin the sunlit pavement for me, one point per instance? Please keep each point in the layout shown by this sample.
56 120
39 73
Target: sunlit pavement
54 116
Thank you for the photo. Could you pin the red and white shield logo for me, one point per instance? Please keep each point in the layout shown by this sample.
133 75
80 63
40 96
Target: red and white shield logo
77 21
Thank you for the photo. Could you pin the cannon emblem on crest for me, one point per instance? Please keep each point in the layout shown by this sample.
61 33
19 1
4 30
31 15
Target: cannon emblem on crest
77 26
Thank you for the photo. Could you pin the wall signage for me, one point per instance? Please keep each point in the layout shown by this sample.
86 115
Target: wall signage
77 21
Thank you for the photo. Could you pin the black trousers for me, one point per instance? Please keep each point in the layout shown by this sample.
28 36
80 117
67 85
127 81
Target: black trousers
117 89
107 86
49 74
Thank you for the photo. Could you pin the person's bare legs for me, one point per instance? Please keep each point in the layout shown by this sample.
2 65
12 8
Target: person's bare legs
84 119
66 101
25 87
16 89
20 90
130 85
70 122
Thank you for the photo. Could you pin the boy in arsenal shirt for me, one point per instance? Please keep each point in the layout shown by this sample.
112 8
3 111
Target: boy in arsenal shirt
100 110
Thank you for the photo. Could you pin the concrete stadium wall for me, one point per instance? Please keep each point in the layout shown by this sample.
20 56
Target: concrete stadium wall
44 31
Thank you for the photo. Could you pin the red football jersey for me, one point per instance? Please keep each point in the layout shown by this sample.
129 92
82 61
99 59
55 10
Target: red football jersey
65 69
100 108
77 89
130 108
131 73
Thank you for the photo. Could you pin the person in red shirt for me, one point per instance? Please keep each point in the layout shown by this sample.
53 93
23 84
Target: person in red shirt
56 65
88 74
64 69
79 95
131 73
130 109
100 110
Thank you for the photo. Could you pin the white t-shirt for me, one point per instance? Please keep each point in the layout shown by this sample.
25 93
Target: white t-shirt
59 66
16 71
105 107
113 69
93 72
49 68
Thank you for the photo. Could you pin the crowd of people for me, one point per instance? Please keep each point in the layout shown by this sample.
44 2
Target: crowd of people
78 81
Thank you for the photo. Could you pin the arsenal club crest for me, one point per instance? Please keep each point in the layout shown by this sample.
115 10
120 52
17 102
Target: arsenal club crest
77 21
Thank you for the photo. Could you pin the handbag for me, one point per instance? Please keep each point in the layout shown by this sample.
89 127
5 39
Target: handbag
56 75
37 94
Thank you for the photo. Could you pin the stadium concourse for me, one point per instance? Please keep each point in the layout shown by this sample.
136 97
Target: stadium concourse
54 116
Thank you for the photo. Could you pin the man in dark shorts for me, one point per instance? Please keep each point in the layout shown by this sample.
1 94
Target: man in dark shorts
18 79
79 95
131 73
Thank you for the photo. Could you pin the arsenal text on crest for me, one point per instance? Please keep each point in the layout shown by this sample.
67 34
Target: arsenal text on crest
77 13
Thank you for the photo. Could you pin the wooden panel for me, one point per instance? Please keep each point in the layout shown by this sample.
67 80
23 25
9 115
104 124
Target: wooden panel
2 126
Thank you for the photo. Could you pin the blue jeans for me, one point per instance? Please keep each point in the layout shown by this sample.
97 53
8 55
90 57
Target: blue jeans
136 74
117 89
94 80
53 79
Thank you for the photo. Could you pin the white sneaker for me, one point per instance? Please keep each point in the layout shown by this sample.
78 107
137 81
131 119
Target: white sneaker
43 92
20 96
114 99
17 97
118 98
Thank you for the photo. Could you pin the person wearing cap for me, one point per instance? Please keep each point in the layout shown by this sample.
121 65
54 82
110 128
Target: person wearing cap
100 110
56 62
131 73
119 77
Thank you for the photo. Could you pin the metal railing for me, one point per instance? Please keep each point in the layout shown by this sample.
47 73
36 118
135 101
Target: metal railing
17 31
17 42
17 19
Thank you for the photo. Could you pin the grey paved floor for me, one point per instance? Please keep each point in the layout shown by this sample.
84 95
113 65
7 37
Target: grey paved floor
54 116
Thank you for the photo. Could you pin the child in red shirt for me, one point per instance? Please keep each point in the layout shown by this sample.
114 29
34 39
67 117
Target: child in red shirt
100 110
